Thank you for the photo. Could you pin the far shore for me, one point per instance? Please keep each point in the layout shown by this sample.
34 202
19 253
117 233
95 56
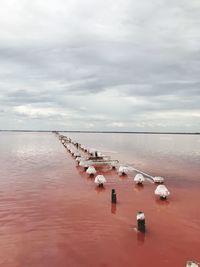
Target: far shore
106 132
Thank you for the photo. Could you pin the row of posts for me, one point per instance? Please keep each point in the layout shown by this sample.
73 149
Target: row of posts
140 215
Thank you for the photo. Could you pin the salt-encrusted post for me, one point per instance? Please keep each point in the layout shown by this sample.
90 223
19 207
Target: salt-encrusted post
113 196
91 170
192 264
100 180
141 222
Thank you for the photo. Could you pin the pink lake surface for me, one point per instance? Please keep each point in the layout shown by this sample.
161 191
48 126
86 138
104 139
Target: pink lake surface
52 214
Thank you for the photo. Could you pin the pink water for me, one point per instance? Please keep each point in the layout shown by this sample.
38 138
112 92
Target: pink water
51 213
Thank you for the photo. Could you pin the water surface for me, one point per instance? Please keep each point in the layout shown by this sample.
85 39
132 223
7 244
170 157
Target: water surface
51 213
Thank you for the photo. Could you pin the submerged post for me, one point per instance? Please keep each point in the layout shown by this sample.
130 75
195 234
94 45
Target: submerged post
192 264
113 196
100 180
141 222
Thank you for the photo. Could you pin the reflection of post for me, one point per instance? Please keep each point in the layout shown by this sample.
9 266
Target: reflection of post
113 208
138 187
162 204
100 189
140 238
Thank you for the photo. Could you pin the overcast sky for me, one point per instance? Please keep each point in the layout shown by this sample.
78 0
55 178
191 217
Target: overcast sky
121 65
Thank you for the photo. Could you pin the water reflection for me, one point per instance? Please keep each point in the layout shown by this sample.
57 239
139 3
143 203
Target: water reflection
123 177
41 203
162 203
140 238
138 187
80 170
113 208
100 189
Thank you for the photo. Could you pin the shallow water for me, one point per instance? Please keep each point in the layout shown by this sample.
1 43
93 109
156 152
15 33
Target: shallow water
51 213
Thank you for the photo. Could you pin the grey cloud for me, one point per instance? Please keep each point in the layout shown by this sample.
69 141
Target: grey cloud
100 62
22 96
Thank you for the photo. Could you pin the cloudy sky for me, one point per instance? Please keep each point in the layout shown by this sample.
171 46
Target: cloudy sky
121 65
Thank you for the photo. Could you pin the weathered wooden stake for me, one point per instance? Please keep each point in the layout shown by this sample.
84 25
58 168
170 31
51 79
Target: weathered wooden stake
113 196
141 222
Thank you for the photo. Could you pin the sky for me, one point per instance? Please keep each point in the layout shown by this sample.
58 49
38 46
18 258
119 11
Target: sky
103 65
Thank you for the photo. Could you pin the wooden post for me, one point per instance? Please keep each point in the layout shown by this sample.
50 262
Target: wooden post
141 222
113 196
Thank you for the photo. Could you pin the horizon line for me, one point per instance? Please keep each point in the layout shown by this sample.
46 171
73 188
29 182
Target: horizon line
91 131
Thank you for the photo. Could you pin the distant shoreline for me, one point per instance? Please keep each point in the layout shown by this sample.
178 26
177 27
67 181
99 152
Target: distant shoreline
106 132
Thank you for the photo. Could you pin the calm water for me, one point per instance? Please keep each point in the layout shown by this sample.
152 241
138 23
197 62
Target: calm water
51 213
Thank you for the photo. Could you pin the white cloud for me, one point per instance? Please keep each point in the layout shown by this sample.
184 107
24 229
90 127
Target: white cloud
38 112
117 124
